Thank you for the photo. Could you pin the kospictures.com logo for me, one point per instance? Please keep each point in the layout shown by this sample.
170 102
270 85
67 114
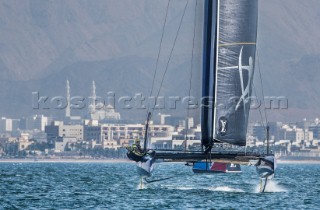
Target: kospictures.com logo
139 101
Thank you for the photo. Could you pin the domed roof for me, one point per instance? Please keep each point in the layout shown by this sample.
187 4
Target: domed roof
109 106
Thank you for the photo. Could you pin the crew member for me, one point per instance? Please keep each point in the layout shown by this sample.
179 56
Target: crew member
136 148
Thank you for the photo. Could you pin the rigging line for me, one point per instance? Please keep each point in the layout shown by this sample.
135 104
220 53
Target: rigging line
262 121
262 91
171 52
157 63
159 52
160 47
191 71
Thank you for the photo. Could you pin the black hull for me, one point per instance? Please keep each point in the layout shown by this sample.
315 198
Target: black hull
228 157
199 171
266 166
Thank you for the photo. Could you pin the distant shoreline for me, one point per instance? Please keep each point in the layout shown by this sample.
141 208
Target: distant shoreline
298 161
84 160
64 160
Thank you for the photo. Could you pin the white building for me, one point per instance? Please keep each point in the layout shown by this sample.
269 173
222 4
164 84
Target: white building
163 118
23 141
308 135
110 135
190 122
58 129
5 125
65 143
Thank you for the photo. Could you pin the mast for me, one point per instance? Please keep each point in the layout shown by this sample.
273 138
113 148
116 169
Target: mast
146 132
268 141
209 59
216 66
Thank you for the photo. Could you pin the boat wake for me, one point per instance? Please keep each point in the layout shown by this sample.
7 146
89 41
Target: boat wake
272 187
225 189
174 187
216 189
141 185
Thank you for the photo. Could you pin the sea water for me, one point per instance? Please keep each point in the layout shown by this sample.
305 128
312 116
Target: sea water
117 186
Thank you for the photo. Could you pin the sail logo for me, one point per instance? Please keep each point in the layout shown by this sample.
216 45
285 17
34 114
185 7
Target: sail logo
223 126
245 90
232 165
245 83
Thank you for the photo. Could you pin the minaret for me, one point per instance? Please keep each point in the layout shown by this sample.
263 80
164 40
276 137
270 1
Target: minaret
68 101
94 97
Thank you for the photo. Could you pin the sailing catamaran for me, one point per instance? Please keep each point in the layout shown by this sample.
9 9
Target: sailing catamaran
229 49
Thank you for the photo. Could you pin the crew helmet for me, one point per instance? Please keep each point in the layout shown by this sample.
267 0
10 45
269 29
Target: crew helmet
137 141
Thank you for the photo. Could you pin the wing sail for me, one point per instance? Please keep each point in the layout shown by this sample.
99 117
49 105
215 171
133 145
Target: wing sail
237 35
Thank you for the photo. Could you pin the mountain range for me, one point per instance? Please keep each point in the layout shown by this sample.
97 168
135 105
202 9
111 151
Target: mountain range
116 43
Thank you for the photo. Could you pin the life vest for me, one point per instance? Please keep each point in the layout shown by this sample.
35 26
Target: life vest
137 151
